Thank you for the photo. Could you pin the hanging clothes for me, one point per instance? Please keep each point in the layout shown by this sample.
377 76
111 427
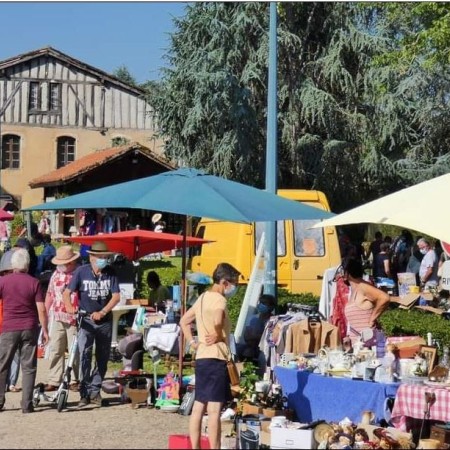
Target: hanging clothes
338 317
306 337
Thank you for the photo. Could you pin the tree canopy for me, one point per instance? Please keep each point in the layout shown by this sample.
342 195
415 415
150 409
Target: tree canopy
353 119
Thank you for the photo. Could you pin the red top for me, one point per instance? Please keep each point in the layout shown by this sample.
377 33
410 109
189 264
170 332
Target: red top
20 292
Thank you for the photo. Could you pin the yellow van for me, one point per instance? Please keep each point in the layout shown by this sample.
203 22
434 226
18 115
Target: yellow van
303 253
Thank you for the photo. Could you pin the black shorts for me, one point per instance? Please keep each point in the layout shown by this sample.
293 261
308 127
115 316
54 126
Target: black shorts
212 383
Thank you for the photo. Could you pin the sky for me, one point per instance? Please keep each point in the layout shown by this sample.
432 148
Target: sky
105 35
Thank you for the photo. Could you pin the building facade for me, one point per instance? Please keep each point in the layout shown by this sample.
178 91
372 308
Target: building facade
55 109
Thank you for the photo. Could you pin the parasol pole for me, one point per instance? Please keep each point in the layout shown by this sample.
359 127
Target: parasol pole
183 301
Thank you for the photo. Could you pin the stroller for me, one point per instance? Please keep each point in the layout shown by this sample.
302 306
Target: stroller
61 395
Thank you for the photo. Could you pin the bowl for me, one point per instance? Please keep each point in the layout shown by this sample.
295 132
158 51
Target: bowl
170 408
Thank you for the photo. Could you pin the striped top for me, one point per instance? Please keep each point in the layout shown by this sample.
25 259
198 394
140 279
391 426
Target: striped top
357 318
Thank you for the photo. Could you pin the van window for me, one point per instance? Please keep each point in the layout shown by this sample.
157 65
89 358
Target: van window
308 242
281 238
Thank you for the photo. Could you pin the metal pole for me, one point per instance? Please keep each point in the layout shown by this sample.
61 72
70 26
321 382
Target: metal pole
270 281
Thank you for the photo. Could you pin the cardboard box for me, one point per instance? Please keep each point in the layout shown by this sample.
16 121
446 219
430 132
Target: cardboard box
285 438
248 408
270 412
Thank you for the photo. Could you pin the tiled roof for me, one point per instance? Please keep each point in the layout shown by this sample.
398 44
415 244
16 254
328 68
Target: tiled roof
93 160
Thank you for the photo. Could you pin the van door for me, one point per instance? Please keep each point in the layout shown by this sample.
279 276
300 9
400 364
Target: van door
309 257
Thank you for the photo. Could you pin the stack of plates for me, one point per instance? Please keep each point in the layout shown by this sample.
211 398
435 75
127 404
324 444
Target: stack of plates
170 408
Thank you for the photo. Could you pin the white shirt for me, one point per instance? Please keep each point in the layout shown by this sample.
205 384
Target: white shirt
429 260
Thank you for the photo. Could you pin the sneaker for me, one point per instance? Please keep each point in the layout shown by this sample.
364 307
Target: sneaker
97 400
83 402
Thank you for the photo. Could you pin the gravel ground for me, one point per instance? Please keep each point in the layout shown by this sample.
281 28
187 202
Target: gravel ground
117 426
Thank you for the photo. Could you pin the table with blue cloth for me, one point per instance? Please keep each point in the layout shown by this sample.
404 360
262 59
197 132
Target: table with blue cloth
317 397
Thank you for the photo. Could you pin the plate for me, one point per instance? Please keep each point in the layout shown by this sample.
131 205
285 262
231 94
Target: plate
437 384
170 408
338 372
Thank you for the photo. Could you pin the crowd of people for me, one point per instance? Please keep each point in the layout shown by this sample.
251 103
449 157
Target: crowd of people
387 257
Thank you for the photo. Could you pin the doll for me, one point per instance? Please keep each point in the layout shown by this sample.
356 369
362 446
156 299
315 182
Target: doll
361 437
345 441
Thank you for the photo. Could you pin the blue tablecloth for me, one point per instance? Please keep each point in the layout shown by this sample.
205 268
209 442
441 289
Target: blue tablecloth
316 397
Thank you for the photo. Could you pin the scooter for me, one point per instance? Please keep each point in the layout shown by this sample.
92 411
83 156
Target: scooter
61 395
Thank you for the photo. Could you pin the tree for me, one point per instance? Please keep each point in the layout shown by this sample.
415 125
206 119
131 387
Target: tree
349 124
123 74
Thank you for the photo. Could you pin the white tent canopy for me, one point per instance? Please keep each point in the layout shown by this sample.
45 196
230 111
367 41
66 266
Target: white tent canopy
422 207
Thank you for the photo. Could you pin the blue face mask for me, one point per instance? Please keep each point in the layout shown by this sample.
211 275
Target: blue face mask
230 291
101 263
263 309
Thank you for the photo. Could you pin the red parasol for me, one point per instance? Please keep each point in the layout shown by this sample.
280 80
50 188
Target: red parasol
5 215
135 244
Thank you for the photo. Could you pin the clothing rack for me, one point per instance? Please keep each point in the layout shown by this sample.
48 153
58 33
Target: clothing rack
306 309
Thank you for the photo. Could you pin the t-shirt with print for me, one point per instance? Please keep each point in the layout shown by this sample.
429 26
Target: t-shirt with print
94 292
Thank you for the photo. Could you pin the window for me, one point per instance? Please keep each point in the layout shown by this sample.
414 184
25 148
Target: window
10 151
44 97
54 97
65 151
308 242
281 238
34 102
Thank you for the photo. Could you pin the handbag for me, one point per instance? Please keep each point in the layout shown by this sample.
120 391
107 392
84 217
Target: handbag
233 372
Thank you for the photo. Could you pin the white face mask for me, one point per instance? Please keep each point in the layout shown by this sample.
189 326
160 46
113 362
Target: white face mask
61 268
230 291
424 251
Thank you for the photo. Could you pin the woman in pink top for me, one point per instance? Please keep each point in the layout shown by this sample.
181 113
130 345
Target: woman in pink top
365 303
63 328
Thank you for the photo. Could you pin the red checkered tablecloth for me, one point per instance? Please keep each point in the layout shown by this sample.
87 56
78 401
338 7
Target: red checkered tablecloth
410 402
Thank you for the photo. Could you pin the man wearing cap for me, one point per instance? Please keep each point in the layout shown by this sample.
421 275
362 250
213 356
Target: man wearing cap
63 326
98 292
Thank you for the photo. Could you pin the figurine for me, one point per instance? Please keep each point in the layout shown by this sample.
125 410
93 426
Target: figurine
345 441
361 438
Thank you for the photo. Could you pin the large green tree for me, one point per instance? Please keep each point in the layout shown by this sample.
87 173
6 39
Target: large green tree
349 122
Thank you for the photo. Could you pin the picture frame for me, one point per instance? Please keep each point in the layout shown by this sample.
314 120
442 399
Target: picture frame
430 354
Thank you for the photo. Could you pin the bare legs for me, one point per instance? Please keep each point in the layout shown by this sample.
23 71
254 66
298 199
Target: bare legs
214 428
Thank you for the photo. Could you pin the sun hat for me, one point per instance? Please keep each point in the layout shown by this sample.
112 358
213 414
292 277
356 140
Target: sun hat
99 248
5 262
65 255
156 217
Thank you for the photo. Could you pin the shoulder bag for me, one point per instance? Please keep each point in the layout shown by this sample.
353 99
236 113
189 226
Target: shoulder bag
233 372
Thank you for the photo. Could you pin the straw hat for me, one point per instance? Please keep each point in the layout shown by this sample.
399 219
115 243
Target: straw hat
156 218
99 248
65 255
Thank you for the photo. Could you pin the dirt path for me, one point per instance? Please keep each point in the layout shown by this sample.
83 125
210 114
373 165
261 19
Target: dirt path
117 426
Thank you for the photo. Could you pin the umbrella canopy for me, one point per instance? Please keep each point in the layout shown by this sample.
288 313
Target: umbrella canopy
137 243
194 193
421 207
6 215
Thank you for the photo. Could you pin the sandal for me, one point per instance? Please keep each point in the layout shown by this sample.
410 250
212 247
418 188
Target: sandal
74 386
14 389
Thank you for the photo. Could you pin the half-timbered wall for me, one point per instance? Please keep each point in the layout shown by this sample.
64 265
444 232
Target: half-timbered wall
84 100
